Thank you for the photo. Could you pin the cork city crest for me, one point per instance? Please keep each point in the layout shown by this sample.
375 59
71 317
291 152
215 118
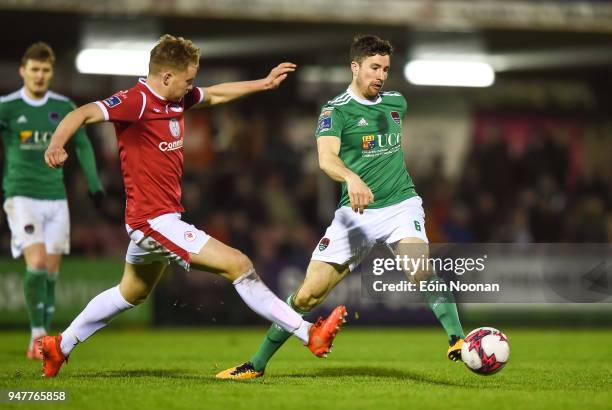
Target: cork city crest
323 244
396 117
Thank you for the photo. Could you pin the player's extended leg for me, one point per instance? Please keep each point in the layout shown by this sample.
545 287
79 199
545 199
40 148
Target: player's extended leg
442 303
136 284
25 219
35 291
321 278
52 263
232 264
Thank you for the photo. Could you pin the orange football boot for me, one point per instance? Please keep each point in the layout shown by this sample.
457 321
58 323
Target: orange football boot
322 333
53 358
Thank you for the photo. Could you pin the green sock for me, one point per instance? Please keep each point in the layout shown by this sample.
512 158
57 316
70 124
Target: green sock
274 339
50 300
35 290
442 304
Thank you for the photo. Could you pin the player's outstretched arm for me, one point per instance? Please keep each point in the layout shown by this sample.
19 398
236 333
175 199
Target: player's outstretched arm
56 155
329 161
225 92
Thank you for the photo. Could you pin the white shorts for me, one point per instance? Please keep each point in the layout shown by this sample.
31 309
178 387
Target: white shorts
38 221
351 235
165 239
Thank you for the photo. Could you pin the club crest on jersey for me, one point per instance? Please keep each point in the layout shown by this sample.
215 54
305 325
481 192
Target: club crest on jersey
396 117
175 128
190 236
368 142
54 117
323 244
110 102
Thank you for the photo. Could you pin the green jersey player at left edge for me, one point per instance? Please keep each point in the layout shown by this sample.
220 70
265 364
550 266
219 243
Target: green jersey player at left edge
34 194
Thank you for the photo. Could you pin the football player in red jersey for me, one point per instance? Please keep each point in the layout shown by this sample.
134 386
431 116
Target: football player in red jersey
149 125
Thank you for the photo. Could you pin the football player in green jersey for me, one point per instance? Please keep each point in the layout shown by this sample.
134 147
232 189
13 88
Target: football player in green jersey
35 196
359 137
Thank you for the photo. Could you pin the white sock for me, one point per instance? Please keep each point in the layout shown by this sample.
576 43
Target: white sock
96 315
302 331
261 300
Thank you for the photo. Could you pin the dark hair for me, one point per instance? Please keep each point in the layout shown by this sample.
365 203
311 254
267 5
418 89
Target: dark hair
174 53
367 45
40 52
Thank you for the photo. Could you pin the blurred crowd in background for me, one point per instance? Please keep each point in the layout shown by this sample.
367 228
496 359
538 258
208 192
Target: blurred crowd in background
526 179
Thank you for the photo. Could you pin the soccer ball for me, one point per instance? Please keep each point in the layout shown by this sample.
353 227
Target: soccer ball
485 350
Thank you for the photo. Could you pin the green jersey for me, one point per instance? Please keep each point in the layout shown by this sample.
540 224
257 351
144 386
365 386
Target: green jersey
370 135
27 126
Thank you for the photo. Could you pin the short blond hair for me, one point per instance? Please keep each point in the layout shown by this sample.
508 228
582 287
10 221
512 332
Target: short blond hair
175 53
40 52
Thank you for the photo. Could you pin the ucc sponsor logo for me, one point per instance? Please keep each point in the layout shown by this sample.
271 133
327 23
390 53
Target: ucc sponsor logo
35 137
370 142
390 139
170 146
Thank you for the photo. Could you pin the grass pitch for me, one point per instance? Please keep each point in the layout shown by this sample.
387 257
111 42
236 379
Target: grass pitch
374 368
